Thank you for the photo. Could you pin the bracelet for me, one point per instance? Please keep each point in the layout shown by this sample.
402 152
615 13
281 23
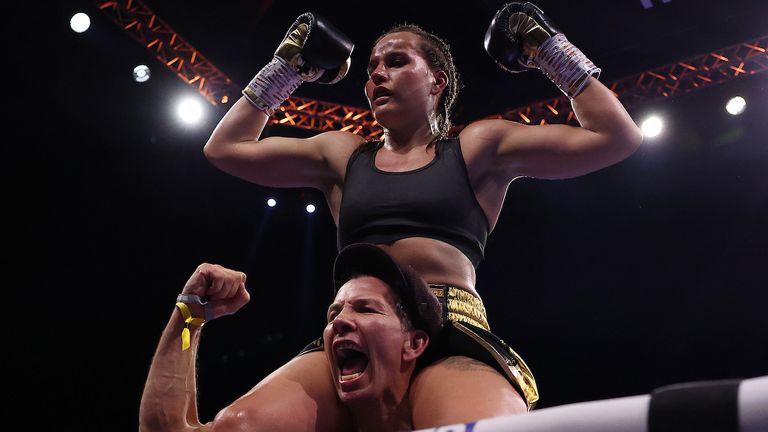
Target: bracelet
190 298
195 299
188 319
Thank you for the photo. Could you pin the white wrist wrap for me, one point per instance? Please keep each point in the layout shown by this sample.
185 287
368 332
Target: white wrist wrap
565 65
274 83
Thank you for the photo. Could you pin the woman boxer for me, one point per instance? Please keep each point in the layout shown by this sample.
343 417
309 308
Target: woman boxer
428 199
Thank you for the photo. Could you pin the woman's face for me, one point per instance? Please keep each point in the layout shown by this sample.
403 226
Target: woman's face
401 86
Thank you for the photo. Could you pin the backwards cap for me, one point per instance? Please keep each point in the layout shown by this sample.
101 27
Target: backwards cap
364 259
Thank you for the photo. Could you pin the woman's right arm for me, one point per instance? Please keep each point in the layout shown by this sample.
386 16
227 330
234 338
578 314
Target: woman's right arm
235 148
311 51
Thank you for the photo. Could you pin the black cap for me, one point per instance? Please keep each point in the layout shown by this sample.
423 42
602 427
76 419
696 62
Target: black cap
364 259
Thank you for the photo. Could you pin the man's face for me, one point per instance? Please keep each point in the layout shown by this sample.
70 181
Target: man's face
365 342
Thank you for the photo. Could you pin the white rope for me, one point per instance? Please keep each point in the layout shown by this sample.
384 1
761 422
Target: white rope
627 414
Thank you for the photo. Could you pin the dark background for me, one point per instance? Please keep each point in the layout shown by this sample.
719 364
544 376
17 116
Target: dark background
646 273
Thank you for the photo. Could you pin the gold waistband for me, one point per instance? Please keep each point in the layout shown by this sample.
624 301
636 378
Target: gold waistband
461 306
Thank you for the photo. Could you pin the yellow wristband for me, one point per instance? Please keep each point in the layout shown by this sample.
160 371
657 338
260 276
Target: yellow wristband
188 319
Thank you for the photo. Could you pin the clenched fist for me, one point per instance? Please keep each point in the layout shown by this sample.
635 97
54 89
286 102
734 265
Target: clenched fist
223 288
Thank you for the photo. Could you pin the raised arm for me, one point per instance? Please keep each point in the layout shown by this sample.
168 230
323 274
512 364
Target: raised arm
312 50
169 401
519 38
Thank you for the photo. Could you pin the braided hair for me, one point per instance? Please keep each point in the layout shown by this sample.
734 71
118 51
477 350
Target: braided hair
437 53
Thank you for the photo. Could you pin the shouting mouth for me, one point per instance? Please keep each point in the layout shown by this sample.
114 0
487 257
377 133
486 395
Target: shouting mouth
351 361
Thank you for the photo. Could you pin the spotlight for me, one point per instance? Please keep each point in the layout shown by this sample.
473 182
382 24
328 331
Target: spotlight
652 126
141 73
310 208
79 22
271 202
189 110
736 105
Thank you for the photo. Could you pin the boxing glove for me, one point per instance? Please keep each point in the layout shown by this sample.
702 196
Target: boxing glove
312 50
521 37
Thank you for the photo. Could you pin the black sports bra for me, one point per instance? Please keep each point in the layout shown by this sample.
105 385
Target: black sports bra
434 201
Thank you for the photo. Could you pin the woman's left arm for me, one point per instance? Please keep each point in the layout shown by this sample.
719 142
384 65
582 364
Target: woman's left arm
607 135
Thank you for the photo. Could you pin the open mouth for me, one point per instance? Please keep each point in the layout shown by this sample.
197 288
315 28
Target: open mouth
350 361
380 92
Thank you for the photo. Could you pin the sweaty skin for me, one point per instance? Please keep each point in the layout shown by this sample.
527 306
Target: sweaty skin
404 92
364 319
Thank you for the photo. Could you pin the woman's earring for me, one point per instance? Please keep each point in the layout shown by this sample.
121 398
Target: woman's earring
434 127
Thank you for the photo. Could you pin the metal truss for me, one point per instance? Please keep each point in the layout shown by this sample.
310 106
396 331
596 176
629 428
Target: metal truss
691 74
747 58
170 48
193 68
326 116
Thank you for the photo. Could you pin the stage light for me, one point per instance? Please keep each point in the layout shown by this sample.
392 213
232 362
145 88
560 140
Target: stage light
141 73
189 111
79 22
736 105
310 208
271 202
652 126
